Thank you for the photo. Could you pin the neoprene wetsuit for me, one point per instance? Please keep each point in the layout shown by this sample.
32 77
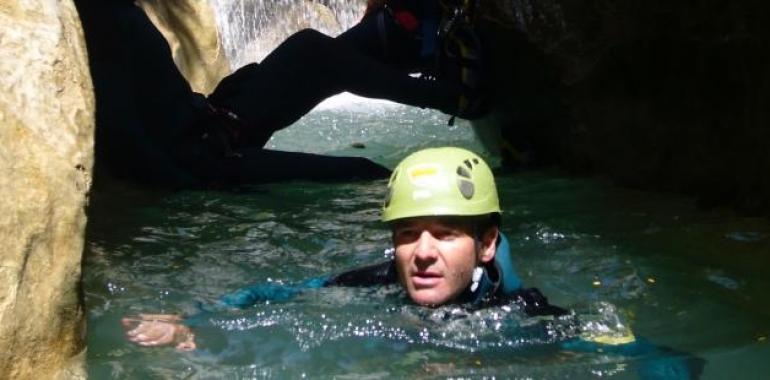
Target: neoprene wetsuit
500 285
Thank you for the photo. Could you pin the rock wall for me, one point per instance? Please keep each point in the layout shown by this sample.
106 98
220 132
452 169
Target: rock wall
252 29
655 94
46 144
190 28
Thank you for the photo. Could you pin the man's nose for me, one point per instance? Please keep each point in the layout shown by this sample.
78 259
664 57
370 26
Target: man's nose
426 247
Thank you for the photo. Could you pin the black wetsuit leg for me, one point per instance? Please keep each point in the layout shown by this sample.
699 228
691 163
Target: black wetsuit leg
142 100
258 165
148 123
380 37
309 67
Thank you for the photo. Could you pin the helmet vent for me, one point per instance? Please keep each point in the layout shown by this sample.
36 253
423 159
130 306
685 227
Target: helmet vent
462 172
466 188
393 178
388 197
468 164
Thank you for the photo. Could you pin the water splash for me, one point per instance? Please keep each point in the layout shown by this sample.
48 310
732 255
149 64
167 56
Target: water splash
250 29
383 317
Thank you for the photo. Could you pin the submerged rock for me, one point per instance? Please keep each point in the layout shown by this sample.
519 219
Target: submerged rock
46 154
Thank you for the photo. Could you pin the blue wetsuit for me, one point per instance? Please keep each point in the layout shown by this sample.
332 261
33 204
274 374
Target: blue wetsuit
499 285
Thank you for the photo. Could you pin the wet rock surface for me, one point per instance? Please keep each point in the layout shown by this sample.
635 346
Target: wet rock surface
658 95
46 145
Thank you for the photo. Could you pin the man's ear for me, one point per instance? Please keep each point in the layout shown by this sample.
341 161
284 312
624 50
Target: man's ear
489 244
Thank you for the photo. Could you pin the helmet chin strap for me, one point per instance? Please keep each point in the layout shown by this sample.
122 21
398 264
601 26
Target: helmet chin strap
478 270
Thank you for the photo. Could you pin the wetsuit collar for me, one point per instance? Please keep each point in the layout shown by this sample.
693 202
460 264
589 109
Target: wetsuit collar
488 285
498 276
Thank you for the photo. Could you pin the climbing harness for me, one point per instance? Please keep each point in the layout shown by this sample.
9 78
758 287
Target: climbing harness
219 126
447 36
229 131
461 49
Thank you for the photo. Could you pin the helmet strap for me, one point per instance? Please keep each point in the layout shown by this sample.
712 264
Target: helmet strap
477 273
478 270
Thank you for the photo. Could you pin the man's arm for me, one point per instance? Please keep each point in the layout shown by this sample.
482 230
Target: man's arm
167 329
267 291
159 330
151 330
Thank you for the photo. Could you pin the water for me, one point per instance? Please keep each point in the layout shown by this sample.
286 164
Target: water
687 279
690 280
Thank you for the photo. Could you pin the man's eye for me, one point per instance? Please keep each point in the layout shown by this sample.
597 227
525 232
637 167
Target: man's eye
445 234
406 234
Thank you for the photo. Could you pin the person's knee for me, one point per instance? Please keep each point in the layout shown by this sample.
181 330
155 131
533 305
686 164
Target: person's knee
308 36
309 46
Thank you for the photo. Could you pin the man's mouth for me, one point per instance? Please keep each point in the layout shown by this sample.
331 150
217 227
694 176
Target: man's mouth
426 279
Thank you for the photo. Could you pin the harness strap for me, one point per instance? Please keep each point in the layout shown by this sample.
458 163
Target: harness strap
220 125
461 49
381 29
227 129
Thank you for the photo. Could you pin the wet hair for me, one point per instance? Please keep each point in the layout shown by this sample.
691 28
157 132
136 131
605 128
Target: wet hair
488 221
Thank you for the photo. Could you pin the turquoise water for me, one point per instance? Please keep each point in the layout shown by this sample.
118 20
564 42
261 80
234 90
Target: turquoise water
684 278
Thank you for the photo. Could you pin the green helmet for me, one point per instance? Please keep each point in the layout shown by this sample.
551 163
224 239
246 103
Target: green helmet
441 181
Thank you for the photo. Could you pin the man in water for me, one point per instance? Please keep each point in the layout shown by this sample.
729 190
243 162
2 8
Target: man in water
435 38
444 215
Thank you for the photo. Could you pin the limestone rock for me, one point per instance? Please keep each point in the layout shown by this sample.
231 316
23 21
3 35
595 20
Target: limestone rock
252 29
46 145
190 28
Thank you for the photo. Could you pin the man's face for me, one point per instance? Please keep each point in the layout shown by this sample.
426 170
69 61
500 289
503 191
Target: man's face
435 257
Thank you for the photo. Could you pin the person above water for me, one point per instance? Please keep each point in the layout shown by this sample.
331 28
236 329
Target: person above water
444 216
434 38
152 128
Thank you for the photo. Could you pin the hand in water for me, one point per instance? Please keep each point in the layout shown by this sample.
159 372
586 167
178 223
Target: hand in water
159 330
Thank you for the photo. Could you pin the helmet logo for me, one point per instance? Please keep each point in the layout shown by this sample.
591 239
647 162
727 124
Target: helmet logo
425 175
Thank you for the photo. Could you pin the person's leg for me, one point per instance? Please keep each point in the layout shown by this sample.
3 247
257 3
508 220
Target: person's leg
258 165
380 37
309 67
148 127
142 100
404 36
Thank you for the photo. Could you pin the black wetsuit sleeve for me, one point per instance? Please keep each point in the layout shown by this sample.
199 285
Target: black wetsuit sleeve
378 274
534 303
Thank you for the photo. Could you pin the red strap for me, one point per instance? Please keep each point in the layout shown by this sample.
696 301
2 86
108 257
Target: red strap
407 20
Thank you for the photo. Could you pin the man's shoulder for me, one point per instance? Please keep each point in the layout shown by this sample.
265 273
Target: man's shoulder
383 273
532 302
